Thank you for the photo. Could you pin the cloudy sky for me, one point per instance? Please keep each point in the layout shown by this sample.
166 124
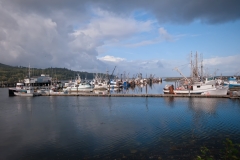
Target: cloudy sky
136 36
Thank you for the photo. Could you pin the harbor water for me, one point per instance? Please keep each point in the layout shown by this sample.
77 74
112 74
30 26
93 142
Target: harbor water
75 127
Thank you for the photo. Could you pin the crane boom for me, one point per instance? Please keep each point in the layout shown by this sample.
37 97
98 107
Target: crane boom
113 71
182 74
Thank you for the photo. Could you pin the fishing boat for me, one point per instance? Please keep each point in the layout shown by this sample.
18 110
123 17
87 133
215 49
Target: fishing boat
232 82
28 93
81 87
220 90
19 88
24 89
100 83
101 86
55 92
196 84
78 86
196 88
115 84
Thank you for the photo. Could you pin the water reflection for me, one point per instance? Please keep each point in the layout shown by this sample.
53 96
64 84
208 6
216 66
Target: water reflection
169 101
75 127
23 103
146 102
29 103
206 105
138 89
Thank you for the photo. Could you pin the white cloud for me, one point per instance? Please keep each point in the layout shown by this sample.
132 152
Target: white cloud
73 34
44 42
228 65
144 43
32 37
222 60
111 59
108 26
164 34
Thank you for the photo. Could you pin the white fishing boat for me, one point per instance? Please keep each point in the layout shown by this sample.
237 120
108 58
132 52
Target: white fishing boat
196 88
100 86
19 88
24 90
78 86
28 93
100 82
195 84
43 91
220 90
115 84
81 87
53 92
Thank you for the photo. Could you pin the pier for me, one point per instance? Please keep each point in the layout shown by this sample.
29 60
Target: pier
143 95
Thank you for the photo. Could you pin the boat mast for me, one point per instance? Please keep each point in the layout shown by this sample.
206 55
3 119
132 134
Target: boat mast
29 75
191 67
201 67
196 70
29 71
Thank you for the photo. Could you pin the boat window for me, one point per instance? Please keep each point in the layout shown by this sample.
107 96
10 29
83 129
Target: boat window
198 86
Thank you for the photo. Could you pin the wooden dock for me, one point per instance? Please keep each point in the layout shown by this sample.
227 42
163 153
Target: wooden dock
142 95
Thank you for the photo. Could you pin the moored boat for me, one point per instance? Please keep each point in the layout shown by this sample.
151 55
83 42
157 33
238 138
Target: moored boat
232 82
189 89
196 84
220 90
78 86
29 92
100 86
19 88
81 87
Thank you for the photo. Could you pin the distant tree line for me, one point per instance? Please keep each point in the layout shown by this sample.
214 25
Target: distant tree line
10 74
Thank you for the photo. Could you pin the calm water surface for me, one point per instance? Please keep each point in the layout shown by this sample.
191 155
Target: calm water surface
114 127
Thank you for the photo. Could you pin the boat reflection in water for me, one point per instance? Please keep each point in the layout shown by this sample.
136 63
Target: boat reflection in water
102 92
85 127
206 105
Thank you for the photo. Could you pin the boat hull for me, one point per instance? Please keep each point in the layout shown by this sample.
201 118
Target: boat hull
234 85
188 91
23 94
218 91
80 90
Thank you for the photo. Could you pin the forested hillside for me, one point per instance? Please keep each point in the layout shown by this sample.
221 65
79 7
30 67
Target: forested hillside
12 74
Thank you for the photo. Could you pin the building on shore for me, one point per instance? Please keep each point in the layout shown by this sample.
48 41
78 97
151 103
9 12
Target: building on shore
43 80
